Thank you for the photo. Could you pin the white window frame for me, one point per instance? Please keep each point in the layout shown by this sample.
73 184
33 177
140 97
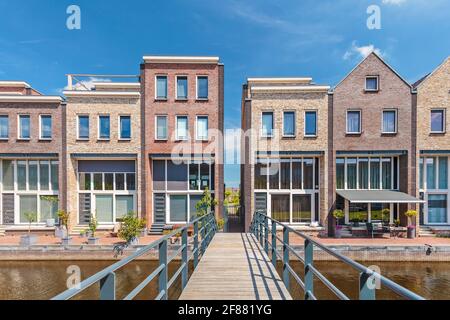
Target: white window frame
40 127
156 87
7 118
177 137
317 123
19 127
78 127
346 122
295 124
378 84
120 128
196 128
268 136
196 87
98 127
444 117
395 124
176 87
156 127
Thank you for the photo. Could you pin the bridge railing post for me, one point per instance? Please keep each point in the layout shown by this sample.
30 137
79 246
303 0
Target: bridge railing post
184 258
196 248
108 287
285 256
266 234
204 226
366 286
261 230
309 276
163 276
274 244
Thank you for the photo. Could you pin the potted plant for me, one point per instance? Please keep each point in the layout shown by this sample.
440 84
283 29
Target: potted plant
397 223
64 220
411 228
385 213
131 228
29 239
205 204
338 214
93 225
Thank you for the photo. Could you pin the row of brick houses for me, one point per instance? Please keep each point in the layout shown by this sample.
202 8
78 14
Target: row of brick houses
111 147
372 142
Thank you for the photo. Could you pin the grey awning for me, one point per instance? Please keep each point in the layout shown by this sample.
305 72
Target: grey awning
377 196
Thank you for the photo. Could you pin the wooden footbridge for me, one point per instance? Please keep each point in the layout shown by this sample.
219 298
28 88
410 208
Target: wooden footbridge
236 266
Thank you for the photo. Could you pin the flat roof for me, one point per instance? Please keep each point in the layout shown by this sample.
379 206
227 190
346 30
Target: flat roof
377 196
14 84
181 59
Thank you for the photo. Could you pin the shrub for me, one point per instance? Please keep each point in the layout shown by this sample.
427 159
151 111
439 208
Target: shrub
64 220
131 227
93 225
338 214
30 217
411 214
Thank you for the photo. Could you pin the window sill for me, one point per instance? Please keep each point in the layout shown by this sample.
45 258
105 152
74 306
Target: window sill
266 137
353 134
103 139
124 139
289 137
202 140
181 99
161 140
437 133
161 99
23 139
82 139
4 139
371 91
181 140
45 139
389 133
310 136
202 99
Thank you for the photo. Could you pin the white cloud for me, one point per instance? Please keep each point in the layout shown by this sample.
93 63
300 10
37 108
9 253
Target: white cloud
394 2
361 51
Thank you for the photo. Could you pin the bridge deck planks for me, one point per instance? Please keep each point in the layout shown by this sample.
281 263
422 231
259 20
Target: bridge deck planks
234 267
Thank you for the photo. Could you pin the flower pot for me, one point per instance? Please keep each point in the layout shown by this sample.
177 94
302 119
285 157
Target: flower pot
66 241
338 232
134 242
50 223
411 232
28 240
93 241
59 232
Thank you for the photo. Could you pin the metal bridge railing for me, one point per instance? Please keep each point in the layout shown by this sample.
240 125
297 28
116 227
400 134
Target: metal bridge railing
205 227
367 277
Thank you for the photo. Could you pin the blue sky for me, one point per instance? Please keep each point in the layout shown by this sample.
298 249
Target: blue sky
322 39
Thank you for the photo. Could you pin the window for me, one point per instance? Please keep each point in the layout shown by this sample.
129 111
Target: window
202 128
386 173
375 173
182 88
202 87
351 173
24 127
49 207
267 124
161 127
389 121
104 208
193 176
161 87
431 173
261 175
443 173
124 205
46 127
182 128
125 127
28 204
83 127
340 173
437 121
363 171
274 174
289 124
353 122
371 83
44 175
281 208
285 174
310 123
437 208
8 175
301 208
178 208
4 127
104 127
308 173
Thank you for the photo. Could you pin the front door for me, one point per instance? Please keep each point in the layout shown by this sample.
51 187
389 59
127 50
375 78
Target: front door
159 205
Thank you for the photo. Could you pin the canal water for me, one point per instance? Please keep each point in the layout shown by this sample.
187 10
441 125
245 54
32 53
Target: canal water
44 280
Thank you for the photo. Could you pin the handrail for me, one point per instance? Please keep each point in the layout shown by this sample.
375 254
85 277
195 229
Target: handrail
106 277
259 228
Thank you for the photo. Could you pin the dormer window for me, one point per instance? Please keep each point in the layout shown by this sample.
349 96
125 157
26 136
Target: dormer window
372 83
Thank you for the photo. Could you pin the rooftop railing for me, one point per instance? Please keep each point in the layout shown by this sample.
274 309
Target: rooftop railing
368 278
204 229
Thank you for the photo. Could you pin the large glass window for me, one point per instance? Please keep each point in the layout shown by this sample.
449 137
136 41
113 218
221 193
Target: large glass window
125 127
8 175
182 88
32 175
178 208
131 181
49 207
351 173
289 124
353 122
24 127
301 208
54 175
202 87
431 173
22 175
46 127
202 128
44 175
443 173
4 127
310 123
204 176
358 212
281 208
104 127
124 205
363 171
285 174
161 87
27 205
437 208
386 173
437 121
260 175
374 173
194 199
297 174
182 128
378 212
194 176
85 181
340 173
177 176
389 121
161 127
267 124
274 174
421 173
83 127
104 208
308 173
